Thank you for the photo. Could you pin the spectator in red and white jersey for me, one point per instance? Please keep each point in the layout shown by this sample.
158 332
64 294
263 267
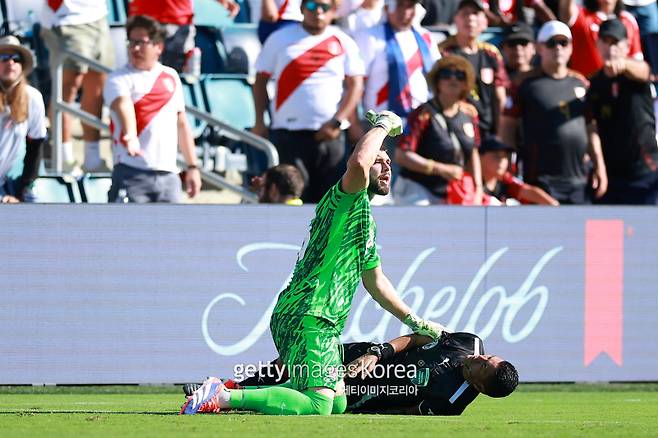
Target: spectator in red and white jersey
148 122
584 22
176 16
81 27
319 80
397 55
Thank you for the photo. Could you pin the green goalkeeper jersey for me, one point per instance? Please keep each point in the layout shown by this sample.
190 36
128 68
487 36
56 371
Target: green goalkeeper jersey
341 245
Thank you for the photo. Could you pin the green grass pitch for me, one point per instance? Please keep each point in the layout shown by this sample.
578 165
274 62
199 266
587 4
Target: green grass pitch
533 410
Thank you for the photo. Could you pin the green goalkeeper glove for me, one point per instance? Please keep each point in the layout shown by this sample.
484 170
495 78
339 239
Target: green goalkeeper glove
388 120
425 328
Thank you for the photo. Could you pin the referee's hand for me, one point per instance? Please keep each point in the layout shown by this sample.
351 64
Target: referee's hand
362 365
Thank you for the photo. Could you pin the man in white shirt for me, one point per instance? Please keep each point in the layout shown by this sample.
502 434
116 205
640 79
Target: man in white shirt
319 79
81 27
148 121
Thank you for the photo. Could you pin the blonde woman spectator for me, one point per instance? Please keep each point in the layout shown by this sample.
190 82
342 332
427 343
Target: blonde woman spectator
22 119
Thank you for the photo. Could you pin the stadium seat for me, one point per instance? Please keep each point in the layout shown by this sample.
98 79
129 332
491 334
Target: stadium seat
242 48
56 189
210 13
229 99
213 53
194 98
94 188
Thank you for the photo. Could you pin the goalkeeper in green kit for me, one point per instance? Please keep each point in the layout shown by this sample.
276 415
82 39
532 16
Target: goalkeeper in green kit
310 313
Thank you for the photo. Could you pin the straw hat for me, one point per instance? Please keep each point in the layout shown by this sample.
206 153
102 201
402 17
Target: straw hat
11 43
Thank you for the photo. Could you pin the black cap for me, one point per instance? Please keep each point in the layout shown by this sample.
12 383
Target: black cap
519 31
493 144
477 3
613 28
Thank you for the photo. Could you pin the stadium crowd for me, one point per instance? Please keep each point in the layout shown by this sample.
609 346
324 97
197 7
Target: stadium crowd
555 105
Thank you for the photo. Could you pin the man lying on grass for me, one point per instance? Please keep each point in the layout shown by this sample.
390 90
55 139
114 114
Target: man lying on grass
411 375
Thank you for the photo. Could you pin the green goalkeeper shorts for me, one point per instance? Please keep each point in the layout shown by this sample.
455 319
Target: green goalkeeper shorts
310 348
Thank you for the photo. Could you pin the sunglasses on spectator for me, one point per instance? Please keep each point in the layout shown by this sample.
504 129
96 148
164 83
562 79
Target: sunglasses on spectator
16 57
138 43
551 44
514 43
446 73
312 6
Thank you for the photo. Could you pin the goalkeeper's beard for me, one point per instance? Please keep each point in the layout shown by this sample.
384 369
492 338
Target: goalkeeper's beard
377 186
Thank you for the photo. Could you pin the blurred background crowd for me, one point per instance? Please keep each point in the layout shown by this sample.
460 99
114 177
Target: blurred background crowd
505 102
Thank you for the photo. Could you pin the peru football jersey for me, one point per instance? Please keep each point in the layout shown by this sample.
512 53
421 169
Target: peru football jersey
308 71
71 12
372 46
158 98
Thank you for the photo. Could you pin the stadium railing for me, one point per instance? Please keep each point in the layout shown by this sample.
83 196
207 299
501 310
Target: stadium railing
57 189
59 106
229 98
94 188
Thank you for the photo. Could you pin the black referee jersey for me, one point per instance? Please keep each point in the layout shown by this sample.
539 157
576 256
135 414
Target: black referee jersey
429 377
